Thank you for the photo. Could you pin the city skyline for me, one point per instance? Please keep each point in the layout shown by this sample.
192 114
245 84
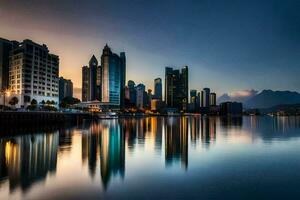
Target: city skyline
257 59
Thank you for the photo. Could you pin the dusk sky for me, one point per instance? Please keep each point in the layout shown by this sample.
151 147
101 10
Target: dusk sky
228 45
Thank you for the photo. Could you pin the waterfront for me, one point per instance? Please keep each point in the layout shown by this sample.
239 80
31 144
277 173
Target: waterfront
155 157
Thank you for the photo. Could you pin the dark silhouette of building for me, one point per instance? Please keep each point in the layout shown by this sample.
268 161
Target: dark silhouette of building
132 92
213 99
158 88
231 108
85 83
193 101
93 66
91 81
5 48
141 96
65 88
176 88
205 98
113 77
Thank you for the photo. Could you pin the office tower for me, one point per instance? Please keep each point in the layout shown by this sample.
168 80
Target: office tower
123 78
140 96
93 66
193 100
33 73
113 77
158 88
98 84
85 84
132 92
206 97
149 98
213 99
176 88
5 48
65 88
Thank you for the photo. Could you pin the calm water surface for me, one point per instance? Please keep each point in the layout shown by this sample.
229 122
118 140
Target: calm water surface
179 157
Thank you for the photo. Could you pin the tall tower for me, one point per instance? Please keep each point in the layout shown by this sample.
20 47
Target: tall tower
93 65
113 76
123 78
158 88
85 83
176 88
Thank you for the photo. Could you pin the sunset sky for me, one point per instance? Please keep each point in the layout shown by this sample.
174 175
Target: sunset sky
228 45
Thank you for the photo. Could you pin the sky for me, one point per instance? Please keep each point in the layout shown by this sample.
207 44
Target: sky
230 46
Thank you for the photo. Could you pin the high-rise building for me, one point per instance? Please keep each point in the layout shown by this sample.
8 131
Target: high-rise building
205 97
132 92
231 108
158 88
33 73
91 81
113 77
65 88
213 99
85 84
5 48
193 100
176 88
93 66
123 78
140 96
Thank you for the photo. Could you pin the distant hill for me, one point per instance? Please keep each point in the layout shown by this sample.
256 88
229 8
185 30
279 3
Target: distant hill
269 98
288 108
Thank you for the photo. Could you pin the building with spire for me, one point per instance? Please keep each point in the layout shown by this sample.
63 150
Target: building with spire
91 81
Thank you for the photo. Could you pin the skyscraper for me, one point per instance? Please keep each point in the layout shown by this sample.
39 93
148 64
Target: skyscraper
140 96
132 92
91 81
113 77
5 47
193 100
158 88
176 88
93 66
85 84
213 99
206 97
65 88
33 73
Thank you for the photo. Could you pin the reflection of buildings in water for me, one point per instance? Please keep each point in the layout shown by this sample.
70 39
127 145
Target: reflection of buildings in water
208 130
65 139
268 128
27 159
229 122
105 141
130 132
176 141
112 152
156 131
91 146
140 130
194 130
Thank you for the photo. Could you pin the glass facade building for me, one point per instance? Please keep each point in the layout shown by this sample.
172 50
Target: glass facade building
113 77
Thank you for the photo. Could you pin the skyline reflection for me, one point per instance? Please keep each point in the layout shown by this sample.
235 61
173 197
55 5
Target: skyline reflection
106 147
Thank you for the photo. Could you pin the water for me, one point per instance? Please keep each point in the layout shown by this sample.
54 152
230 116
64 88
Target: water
162 158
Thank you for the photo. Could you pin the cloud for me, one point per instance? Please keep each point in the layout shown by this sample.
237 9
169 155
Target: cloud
240 96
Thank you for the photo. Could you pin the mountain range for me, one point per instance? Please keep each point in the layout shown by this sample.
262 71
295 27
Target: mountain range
265 99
